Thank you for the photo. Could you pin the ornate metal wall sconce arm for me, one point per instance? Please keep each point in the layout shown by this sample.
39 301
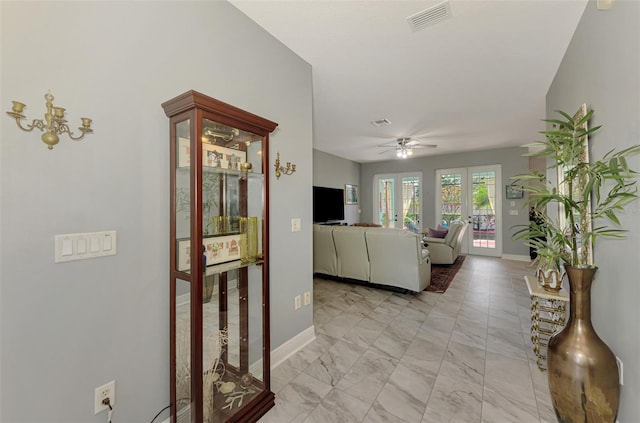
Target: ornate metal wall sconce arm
283 170
53 123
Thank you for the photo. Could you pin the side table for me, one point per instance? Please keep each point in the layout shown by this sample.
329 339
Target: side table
548 311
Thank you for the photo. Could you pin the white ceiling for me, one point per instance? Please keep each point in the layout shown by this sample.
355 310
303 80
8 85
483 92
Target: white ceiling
474 81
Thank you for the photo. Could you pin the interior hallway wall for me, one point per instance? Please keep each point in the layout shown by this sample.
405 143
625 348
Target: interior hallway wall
68 328
602 69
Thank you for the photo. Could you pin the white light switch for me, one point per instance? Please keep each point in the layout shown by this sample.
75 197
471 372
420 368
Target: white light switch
82 246
67 247
296 224
94 246
106 244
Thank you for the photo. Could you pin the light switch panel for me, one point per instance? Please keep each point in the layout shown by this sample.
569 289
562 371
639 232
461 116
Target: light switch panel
82 246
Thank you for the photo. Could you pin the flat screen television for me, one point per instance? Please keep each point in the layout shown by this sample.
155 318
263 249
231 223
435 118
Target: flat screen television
328 204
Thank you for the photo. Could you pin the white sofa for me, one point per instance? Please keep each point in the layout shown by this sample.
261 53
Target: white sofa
386 257
446 250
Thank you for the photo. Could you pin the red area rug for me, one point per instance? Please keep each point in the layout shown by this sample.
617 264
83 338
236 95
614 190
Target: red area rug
443 274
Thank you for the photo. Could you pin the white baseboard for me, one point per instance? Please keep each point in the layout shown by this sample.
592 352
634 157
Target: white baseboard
515 257
292 346
284 351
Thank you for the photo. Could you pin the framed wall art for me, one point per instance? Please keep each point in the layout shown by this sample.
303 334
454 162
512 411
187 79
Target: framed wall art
514 192
351 194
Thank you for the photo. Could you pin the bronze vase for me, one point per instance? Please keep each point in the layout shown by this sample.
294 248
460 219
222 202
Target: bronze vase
583 374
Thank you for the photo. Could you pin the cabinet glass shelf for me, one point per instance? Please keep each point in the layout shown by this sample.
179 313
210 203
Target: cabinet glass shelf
239 173
228 266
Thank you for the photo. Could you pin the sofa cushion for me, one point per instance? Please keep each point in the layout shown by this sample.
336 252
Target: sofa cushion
437 233
450 238
325 258
351 250
397 259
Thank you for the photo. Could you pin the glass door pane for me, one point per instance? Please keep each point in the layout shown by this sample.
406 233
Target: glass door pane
183 195
451 205
386 203
483 209
398 201
411 204
472 194
183 348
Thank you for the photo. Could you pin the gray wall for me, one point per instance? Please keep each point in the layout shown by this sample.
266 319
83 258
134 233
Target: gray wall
68 328
334 172
602 68
512 160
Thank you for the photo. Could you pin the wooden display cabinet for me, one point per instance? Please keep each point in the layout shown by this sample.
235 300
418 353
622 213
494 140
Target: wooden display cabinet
219 285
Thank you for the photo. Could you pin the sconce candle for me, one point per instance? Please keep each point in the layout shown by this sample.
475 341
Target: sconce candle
53 123
280 170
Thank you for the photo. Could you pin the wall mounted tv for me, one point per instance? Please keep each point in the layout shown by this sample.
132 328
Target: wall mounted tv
328 204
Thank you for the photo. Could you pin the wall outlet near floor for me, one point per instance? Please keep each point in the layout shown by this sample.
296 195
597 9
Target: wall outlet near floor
307 298
620 370
296 302
108 390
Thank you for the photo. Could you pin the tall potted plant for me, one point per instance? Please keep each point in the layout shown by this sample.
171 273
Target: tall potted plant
583 375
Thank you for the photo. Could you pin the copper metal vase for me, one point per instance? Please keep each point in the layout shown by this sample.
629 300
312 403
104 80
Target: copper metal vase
583 374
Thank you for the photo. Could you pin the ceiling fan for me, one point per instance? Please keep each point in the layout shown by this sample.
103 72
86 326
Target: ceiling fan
404 146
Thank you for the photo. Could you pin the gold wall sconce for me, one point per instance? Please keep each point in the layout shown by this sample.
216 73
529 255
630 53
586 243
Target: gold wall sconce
283 170
53 124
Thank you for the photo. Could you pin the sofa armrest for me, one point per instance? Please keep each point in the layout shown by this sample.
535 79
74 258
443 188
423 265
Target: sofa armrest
429 240
424 255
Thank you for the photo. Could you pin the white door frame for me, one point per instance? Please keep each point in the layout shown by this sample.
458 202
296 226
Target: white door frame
397 177
466 206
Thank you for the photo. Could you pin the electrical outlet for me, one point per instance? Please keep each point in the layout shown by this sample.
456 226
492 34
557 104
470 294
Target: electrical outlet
307 298
108 390
620 370
297 302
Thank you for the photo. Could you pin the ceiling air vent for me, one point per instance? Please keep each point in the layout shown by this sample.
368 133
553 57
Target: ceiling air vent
381 122
430 16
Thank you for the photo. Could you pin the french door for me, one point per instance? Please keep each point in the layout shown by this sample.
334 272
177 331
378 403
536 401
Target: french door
397 201
472 194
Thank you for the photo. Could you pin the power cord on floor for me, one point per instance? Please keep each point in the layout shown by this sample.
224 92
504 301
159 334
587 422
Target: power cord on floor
107 402
160 412
169 406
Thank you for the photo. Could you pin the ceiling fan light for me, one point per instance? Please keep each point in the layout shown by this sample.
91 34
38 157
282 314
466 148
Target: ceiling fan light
409 152
404 154
399 152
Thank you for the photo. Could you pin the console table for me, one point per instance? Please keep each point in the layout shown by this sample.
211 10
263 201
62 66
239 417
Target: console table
547 317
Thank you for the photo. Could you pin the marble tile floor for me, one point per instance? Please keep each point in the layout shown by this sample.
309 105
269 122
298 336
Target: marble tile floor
462 356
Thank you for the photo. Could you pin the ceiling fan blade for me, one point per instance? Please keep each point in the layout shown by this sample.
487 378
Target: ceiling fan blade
387 151
390 144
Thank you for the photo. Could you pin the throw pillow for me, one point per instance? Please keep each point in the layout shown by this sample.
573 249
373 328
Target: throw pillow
437 233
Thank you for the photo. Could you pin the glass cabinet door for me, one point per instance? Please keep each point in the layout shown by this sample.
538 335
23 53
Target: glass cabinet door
232 213
219 264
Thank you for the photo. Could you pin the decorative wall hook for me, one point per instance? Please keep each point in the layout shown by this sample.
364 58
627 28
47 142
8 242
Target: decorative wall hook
283 170
53 123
